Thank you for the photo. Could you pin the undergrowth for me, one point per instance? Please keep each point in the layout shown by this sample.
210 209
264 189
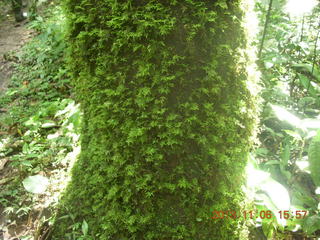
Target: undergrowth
287 161
39 127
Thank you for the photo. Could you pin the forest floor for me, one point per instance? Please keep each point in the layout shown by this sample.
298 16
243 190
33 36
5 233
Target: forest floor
12 37
39 123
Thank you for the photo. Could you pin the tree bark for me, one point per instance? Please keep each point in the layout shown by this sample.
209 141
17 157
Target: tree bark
168 119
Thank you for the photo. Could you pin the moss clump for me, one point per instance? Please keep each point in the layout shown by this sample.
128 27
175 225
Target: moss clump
168 118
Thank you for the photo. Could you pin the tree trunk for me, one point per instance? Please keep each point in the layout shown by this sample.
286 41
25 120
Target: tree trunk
168 119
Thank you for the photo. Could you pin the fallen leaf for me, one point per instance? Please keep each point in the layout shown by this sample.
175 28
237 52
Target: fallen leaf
36 184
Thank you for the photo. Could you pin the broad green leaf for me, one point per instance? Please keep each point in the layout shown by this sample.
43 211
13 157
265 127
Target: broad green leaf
265 201
306 83
311 224
262 152
293 134
33 121
222 4
277 193
314 159
26 163
25 148
84 228
273 195
255 176
48 125
284 115
285 155
272 162
301 195
268 229
303 124
36 184
11 92
307 68
268 65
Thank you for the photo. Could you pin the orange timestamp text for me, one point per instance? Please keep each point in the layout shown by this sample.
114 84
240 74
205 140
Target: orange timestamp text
263 214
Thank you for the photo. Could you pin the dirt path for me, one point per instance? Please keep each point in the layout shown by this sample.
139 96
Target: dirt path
12 37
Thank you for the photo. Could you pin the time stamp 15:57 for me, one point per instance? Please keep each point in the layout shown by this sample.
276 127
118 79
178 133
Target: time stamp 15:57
285 214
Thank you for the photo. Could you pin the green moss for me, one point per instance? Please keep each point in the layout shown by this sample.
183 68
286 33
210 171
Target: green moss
168 118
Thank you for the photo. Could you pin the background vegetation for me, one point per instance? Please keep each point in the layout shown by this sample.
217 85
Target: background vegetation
290 121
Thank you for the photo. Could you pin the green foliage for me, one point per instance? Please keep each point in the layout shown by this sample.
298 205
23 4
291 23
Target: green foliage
5 7
168 119
290 73
40 128
308 69
314 159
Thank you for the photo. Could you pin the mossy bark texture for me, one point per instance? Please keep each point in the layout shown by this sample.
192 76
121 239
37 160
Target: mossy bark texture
168 119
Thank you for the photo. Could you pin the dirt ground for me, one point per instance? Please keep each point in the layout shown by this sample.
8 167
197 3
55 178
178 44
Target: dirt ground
12 37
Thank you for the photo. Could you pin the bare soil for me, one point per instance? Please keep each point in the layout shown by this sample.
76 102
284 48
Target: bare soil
12 37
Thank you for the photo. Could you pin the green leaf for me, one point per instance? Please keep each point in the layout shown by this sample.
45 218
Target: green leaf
36 184
284 115
301 196
272 162
222 4
314 158
262 152
84 228
307 68
26 163
293 134
306 83
268 229
277 193
311 224
49 125
285 155
268 65
25 148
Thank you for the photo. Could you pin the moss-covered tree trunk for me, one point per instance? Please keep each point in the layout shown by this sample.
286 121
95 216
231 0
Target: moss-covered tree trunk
168 118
